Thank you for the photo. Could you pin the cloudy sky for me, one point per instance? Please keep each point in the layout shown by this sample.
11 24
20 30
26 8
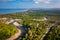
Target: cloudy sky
17 4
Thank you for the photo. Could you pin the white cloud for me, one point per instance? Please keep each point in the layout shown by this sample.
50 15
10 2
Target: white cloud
44 1
57 5
37 1
47 1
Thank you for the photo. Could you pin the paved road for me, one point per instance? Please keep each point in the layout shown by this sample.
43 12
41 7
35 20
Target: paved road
48 29
16 35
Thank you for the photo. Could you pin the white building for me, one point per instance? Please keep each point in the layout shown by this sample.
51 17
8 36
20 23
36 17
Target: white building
16 24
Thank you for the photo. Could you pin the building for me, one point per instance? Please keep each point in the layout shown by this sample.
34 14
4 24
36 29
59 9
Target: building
13 22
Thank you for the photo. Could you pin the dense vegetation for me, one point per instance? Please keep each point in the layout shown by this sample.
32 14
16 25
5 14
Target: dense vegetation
30 13
6 31
36 29
54 33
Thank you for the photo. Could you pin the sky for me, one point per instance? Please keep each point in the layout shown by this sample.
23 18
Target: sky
21 4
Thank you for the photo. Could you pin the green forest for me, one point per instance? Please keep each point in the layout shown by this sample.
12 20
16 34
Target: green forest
35 28
54 33
6 31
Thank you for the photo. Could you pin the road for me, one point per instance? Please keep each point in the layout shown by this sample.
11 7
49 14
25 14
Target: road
15 36
25 31
48 29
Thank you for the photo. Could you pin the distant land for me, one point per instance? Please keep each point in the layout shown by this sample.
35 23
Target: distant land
5 11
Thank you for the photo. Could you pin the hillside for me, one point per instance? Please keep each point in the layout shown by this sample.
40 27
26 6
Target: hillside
34 24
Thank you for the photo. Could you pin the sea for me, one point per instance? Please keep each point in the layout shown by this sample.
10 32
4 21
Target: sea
6 11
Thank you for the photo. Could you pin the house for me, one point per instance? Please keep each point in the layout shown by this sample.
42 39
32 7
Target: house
45 18
13 22
16 23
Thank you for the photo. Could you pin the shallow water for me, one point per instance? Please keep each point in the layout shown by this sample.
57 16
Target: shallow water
4 11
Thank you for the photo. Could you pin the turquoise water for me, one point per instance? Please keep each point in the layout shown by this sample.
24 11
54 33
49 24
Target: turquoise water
4 11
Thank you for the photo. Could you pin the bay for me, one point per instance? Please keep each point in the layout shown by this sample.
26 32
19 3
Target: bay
6 11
